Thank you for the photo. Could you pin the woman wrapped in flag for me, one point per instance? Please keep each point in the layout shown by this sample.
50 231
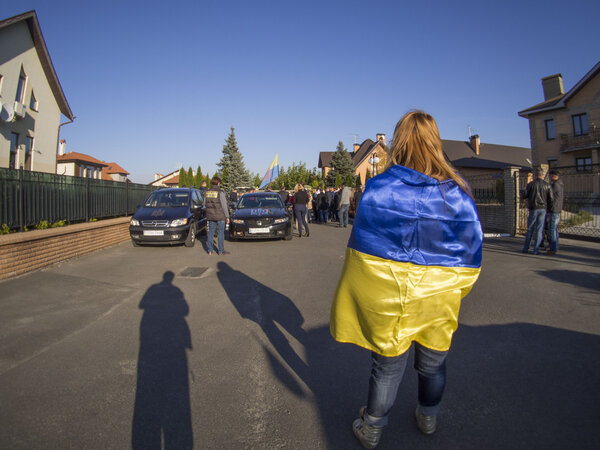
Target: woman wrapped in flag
413 255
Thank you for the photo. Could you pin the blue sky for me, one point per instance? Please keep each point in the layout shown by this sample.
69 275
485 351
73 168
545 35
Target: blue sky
155 84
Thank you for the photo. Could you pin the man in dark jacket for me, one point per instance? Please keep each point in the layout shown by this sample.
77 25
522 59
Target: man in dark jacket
322 205
285 195
558 188
217 214
539 198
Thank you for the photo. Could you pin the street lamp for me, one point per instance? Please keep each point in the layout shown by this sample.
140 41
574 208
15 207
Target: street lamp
374 160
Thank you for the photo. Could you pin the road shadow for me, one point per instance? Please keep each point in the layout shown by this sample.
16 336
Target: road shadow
162 414
509 386
586 280
267 308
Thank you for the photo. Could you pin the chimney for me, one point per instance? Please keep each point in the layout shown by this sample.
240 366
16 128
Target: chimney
380 137
62 147
553 86
356 147
474 143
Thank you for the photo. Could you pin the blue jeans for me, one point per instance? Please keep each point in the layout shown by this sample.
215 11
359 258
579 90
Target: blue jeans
535 229
553 231
387 373
212 225
300 211
323 215
343 213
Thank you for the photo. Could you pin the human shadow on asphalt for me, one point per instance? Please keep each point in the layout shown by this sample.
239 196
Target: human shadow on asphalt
267 308
162 414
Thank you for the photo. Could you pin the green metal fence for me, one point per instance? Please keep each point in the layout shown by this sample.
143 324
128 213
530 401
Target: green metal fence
28 198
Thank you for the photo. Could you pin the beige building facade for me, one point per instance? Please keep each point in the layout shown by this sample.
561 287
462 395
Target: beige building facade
31 97
363 157
565 128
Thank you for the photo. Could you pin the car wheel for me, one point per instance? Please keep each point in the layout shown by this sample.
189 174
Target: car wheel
134 243
191 237
288 236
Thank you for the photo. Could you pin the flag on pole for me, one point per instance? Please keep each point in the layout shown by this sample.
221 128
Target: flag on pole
272 173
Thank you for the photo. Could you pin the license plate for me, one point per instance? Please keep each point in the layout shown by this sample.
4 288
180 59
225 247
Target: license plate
154 233
258 230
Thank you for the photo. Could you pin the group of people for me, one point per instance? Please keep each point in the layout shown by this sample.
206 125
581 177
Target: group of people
323 205
545 203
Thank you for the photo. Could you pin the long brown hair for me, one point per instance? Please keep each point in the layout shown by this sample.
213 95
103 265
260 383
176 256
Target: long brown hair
418 146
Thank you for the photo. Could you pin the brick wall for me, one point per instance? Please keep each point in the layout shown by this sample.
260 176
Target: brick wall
23 252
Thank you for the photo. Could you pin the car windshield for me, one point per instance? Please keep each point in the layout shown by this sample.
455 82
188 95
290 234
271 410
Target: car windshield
161 199
256 201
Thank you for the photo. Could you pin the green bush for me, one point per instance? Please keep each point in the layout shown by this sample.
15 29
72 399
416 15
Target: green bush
60 223
42 225
5 229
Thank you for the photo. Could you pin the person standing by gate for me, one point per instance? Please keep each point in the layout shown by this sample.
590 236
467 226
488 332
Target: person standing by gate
539 198
217 214
557 204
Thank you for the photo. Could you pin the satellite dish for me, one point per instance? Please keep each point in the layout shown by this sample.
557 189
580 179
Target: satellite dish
7 113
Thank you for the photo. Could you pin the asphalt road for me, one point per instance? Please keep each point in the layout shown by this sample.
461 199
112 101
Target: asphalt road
234 352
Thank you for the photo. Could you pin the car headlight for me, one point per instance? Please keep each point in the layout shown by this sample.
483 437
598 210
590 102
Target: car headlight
178 222
238 221
281 220
135 222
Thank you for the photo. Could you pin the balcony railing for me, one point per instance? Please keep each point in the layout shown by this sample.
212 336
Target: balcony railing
569 143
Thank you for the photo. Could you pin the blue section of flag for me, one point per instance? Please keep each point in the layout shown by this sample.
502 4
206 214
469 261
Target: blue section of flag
435 224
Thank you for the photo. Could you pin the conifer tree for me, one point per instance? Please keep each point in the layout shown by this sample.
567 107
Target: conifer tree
232 165
257 180
338 180
182 177
342 164
189 179
199 178
350 180
368 176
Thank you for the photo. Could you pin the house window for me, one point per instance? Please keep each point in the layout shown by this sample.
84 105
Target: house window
21 87
552 163
583 164
33 104
550 130
14 147
580 125
28 151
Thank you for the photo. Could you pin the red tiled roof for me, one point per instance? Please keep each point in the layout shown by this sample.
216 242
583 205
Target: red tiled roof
112 168
80 157
174 180
115 168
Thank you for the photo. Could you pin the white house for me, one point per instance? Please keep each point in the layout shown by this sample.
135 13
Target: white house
31 97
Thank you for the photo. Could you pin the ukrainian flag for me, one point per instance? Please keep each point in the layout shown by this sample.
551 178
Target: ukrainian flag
272 173
413 255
